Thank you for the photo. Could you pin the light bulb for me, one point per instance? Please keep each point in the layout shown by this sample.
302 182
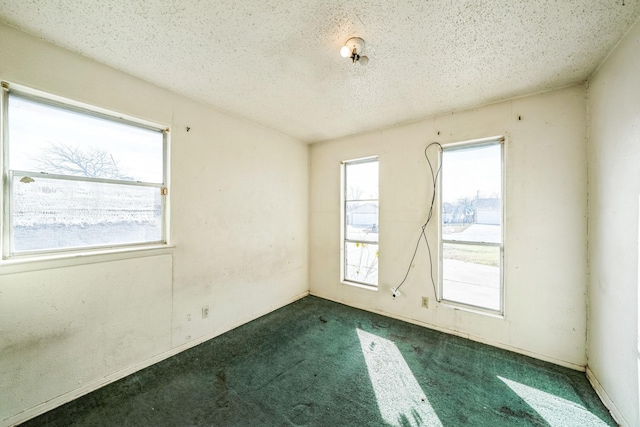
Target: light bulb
364 60
345 51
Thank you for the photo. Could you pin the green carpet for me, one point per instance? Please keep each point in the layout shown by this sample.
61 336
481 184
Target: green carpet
318 363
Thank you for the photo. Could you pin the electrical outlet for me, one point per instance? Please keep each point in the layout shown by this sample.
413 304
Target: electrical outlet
205 311
425 302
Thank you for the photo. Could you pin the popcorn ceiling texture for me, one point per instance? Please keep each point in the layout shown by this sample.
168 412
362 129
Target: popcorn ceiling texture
277 62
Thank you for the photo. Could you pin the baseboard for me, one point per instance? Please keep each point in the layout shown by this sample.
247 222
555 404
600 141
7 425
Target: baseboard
94 385
472 337
613 410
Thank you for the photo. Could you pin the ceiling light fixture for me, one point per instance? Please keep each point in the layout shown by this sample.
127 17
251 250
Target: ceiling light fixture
353 49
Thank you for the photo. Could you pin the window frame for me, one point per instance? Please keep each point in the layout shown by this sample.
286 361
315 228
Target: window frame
497 140
343 221
7 176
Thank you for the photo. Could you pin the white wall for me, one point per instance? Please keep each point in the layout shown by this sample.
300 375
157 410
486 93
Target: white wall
545 239
239 226
614 197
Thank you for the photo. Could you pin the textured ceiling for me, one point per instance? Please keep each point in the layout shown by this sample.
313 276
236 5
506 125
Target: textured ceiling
277 62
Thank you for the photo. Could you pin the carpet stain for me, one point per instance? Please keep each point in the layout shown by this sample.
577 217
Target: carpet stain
322 319
417 349
377 324
301 415
222 377
505 410
222 401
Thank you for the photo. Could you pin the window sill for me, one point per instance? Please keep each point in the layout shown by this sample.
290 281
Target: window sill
45 262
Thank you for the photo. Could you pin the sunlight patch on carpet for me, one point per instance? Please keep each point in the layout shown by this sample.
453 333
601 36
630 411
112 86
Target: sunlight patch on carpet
400 398
556 411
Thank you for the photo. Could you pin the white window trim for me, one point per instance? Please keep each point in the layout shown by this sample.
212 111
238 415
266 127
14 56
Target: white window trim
67 259
455 304
86 254
343 196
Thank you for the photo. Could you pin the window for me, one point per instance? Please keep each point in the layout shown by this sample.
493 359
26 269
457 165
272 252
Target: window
471 224
75 178
360 222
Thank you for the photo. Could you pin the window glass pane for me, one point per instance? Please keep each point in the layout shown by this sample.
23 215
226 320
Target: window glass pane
61 214
471 194
361 262
362 221
360 204
471 274
45 138
361 181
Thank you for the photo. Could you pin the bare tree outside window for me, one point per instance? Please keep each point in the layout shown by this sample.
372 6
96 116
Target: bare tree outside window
66 159
354 193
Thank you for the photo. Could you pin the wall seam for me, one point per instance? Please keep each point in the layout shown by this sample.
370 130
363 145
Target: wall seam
309 217
588 246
